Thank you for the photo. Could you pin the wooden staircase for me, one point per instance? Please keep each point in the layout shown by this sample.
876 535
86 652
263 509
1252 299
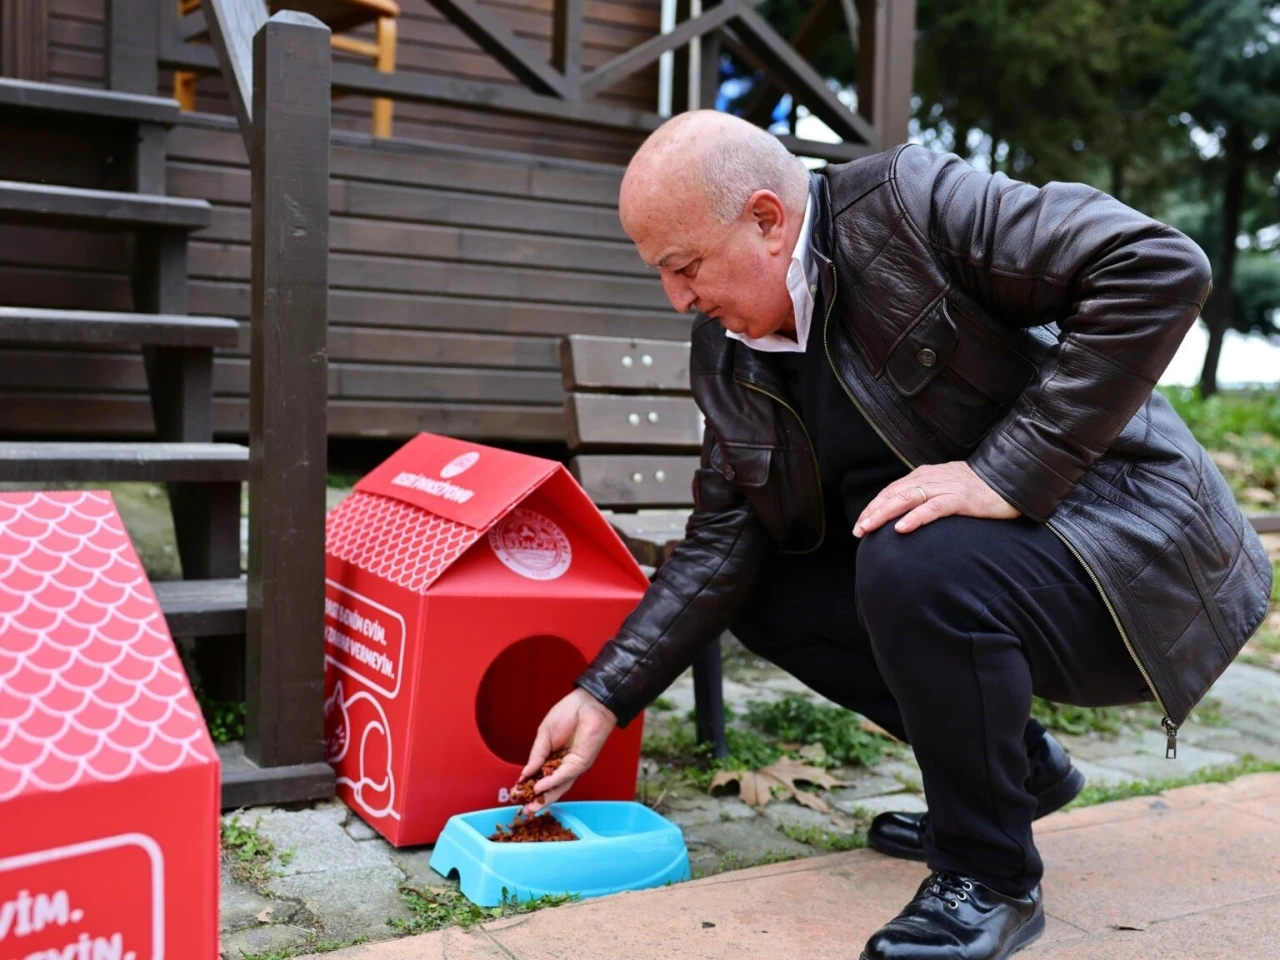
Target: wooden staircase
203 478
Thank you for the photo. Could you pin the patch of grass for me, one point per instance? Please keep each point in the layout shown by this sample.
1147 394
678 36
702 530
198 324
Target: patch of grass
1101 793
1064 718
250 854
662 705
674 744
826 840
798 719
225 718
433 909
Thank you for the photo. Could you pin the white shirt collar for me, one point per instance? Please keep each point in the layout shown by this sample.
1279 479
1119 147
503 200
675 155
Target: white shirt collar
802 277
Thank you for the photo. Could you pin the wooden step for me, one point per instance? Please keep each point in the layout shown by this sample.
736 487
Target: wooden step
34 462
245 784
203 608
41 203
18 95
33 325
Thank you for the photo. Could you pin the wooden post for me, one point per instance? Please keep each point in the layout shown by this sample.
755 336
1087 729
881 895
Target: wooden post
886 64
289 156
234 26
132 44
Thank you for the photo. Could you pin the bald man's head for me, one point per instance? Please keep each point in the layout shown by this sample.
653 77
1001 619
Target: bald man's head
715 204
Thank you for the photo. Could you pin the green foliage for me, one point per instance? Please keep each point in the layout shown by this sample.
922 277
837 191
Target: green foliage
1063 718
1094 794
250 854
662 705
225 718
798 719
435 908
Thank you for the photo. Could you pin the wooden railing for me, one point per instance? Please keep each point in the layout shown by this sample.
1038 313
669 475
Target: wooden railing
562 91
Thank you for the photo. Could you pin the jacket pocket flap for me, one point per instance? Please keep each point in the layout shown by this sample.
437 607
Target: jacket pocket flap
923 352
745 466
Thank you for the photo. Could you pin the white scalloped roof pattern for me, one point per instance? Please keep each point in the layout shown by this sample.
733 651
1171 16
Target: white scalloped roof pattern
91 687
396 541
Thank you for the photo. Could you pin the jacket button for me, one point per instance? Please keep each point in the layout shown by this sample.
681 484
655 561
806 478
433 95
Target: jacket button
927 357
729 472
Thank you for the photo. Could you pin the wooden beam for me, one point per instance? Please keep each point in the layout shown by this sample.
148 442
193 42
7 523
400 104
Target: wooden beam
752 34
808 37
897 73
566 41
637 58
289 156
233 24
132 44
24 39
496 39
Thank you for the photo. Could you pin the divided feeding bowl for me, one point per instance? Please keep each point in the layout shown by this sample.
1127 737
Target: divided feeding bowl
621 845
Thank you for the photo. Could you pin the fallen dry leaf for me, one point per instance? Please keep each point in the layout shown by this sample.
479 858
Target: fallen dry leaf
870 726
756 787
1132 925
264 915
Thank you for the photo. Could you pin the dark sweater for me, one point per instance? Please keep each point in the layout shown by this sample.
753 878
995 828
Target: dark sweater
854 464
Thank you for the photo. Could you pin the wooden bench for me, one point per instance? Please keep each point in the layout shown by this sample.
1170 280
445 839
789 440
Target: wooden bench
635 432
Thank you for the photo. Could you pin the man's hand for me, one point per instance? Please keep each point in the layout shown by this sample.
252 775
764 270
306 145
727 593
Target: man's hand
579 722
930 492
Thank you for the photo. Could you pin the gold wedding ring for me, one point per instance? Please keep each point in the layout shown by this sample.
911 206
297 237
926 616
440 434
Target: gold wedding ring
924 497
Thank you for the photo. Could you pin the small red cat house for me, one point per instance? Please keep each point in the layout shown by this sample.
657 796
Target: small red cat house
108 778
466 588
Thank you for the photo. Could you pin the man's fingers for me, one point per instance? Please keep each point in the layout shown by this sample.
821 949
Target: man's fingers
537 754
934 509
892 502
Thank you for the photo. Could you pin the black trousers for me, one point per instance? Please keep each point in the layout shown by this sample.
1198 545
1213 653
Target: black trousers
941 636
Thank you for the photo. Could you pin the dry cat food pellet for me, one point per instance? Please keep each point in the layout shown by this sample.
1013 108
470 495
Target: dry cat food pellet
522 792
533 830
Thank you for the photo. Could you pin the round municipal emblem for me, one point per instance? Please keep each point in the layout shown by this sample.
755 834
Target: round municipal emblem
531 545
459 464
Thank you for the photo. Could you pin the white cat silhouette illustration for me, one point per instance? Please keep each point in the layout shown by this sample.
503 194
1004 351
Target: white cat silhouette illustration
361 716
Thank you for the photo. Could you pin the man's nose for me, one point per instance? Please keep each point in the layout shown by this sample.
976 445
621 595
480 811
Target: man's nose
678 292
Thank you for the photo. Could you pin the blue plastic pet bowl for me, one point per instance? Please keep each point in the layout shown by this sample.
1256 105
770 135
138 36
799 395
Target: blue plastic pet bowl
621 845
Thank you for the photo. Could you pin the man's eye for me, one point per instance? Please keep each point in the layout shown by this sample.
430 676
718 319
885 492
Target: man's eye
691 270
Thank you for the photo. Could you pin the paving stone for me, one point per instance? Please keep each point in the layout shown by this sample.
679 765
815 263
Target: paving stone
904 802
794 815
241 906
699 810
1148 762
415 863
862 784
264 938
904 770
334 810
318 842
747 840
358 830
1098 775
348 903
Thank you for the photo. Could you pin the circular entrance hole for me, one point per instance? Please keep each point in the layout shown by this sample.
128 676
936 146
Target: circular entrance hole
525 681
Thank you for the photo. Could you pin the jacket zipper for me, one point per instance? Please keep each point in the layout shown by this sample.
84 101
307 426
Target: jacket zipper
817 475
1170 728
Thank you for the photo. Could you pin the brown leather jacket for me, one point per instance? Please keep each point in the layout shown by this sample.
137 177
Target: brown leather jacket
973 317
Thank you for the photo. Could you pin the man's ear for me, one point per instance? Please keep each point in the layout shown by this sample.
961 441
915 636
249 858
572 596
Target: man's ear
769 217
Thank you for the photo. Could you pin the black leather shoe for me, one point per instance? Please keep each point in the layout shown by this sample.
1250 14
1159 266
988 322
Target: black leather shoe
957 918
1053 780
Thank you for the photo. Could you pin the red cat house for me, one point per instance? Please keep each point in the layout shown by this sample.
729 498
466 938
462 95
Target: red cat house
108 778
466 588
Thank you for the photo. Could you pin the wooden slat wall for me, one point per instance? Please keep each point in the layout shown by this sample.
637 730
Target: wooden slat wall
454 273
429 44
